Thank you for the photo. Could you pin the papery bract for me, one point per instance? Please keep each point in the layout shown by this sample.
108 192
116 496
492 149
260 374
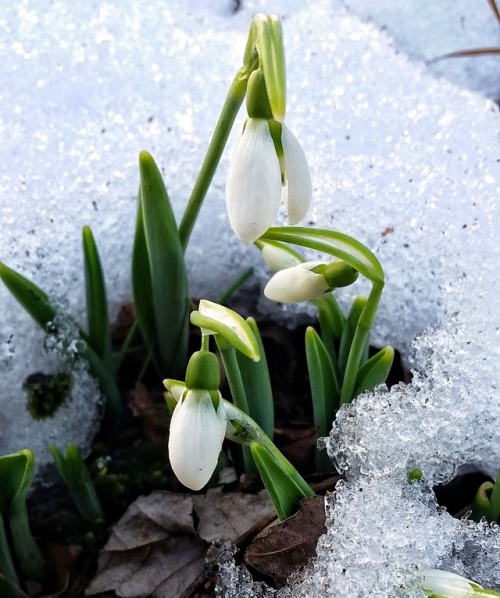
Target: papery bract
196 434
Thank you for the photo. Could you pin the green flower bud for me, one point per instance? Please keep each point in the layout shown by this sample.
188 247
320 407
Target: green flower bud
339 274
203 371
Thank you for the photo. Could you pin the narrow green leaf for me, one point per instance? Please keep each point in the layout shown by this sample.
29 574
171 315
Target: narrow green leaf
237 388
74 472
255 376
350 326
16 473
99 330
168 280
481 505
374 371
284 493
495 499
31 297
38 305
142 288
324 386
217 319
333 243
9 581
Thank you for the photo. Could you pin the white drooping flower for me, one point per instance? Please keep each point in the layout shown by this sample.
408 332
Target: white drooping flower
298 283
197 431
256 181
443 584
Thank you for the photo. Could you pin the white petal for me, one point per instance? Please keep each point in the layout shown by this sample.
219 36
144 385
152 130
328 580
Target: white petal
195 441
298 191
253 186
445 583
278 257
296 284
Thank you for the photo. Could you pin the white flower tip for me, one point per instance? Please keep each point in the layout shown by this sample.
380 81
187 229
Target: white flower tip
296 284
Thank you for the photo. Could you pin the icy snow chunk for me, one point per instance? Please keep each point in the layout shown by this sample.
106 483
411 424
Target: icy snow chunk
400 160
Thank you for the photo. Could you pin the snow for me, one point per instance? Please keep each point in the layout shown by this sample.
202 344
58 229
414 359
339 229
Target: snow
404 161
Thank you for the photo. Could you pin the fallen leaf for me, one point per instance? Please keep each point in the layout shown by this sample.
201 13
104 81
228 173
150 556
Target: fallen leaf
282 548
229 515
154 550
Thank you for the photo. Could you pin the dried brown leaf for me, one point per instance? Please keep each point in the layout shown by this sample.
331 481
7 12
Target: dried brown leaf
154 549
281 549
229 515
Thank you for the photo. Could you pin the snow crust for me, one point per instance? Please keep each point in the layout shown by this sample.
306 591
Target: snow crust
407 163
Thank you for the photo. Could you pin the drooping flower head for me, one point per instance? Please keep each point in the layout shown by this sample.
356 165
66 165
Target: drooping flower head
198 424
308 281
268 164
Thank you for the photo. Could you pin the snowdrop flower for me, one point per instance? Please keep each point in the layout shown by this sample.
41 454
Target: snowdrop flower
257 180
197 431
308 281
299 283
443 584
198 424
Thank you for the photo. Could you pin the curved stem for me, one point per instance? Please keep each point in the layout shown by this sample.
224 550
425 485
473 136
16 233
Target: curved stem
227 116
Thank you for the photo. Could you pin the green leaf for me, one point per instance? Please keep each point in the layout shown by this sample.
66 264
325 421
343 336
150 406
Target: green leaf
213 318
324 386
9 581
16 473
283 491
99 335
165 278
142 288
325 392
74 472
333 243
38 306
258 391
31 297
349 331
495 499
374 371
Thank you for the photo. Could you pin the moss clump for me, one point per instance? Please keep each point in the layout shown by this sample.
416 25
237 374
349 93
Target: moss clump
47 393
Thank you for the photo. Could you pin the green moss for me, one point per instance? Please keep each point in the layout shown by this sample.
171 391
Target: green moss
47 393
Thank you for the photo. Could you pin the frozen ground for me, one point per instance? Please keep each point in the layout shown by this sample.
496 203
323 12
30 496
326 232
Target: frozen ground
407 163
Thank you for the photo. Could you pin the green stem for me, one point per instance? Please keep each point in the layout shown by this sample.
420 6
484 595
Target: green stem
241 428
234 286
119 357
237 388
232 104
358 343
